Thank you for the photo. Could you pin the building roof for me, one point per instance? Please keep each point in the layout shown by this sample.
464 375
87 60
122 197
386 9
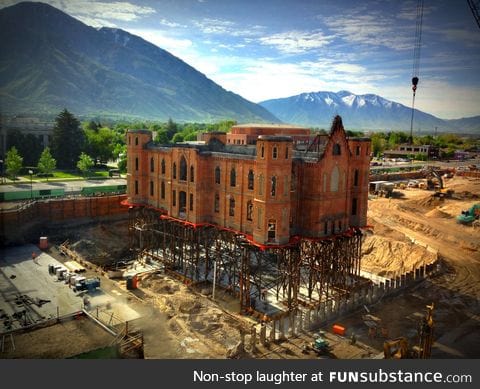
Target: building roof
269 125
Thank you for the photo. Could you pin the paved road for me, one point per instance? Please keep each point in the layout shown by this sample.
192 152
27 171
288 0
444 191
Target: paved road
69 186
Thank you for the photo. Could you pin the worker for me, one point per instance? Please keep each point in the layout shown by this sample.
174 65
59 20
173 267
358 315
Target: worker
34 257
353 339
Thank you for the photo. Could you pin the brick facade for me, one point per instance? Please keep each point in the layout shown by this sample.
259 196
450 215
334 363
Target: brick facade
270 190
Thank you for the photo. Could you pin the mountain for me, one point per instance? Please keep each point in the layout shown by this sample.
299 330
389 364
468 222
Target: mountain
362 112
49 60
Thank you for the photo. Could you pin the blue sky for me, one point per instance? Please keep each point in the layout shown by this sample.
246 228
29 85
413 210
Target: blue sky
263 49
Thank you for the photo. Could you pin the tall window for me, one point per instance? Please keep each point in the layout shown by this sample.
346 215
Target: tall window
136 187
336 149
262 151
249 210
274 152
151 188
152 164
251 178
174 170
231 211
334 179
260 185
273 189
162 190
163 166
174 198
354 207
233 177
136 141
191 201
129 140
259 217
355 178
183 169
136 163
192 174
357 150
286 152
272 230
325 228
217 175
216 206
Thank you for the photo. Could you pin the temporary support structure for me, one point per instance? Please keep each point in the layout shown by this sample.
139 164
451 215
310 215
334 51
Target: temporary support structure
306 271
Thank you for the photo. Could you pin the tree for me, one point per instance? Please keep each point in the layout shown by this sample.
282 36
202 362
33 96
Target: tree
46 163
68 140
178 137
27 145
101 143
161 137
85 163
13 162
171 128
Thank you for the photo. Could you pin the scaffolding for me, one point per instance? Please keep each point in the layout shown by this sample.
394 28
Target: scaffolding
306 272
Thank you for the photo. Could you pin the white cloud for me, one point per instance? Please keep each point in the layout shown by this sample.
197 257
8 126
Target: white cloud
162 39
226 27
296 42
371 29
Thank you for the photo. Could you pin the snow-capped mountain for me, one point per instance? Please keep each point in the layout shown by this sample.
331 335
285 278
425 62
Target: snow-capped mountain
363 112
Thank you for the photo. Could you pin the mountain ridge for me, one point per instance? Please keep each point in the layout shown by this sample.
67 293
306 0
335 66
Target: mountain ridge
362 112
56 61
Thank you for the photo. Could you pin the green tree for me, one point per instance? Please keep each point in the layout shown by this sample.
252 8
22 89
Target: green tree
13 162
68 140
101 143
378 143
46 163
161 137
85 163
171 128
178 137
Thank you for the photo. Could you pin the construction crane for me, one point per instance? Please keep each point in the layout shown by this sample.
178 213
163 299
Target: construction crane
475 7
416 60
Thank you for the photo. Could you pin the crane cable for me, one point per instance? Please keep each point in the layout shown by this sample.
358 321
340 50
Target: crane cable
416 60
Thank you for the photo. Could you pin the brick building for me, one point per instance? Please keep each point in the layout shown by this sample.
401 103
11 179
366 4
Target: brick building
256 180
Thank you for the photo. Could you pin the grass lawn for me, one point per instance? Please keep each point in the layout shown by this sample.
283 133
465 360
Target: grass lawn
68 175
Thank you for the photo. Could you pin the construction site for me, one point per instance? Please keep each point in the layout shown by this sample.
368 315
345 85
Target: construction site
270 245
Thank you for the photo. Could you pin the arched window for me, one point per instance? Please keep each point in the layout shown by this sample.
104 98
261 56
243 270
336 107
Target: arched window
231 211
336 149
192 174
163 166
217 175
249 210
251 178
233 177
151 188
174 170
152 164
274 152
273 189
183 169
262 151
216 206
162 190
136 163
260 185
355 178
136 141
334 179
129 140
286 152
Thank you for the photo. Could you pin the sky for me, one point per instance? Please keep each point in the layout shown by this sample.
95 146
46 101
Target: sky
266 49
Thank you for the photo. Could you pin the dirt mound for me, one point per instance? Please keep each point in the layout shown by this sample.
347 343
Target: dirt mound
387 257
437 212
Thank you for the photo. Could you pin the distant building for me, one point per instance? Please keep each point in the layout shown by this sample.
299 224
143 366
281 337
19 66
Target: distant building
270 182
406 151
26 125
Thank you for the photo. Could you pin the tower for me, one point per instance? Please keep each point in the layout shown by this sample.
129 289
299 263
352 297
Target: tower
273 169
137 165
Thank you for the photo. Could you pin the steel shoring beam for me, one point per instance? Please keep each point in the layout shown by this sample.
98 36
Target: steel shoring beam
317 270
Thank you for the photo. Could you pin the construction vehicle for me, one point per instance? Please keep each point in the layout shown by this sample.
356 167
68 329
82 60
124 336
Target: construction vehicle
381 188
88 284
396 349
470 215
399 348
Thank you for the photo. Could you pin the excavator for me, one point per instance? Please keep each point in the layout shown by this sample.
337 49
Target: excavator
399 348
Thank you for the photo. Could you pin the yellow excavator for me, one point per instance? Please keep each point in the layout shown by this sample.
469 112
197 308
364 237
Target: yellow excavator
399 348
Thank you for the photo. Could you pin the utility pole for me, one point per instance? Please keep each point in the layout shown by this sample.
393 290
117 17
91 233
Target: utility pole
214 278
31 184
